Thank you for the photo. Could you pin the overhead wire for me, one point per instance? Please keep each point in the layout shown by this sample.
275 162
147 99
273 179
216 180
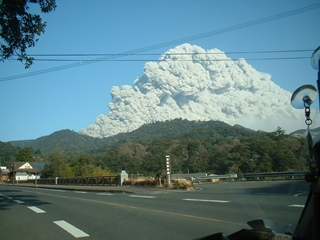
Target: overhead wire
167 60
156 54
173 42
54 59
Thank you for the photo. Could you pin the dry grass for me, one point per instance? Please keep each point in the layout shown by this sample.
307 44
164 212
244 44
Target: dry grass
181 184
141 182
175 183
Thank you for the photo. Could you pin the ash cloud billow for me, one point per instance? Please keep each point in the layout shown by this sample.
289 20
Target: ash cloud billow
191 83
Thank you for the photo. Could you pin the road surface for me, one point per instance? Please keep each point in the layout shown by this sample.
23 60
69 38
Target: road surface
149 213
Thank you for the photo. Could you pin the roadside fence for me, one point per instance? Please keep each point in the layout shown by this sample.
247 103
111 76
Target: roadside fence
97 181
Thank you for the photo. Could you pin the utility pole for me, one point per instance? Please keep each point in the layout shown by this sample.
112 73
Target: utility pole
168 168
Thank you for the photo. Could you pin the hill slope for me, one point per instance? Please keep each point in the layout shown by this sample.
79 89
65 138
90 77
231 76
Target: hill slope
66 140
71 142
195 146
7 153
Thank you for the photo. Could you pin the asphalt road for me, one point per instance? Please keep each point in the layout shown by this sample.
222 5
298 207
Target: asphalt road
146 213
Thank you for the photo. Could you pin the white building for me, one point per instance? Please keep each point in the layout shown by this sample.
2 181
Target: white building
24 171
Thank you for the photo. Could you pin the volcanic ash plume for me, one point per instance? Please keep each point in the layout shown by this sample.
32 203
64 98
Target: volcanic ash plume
191 83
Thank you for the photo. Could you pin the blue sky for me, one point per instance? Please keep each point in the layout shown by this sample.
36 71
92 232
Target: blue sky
72 98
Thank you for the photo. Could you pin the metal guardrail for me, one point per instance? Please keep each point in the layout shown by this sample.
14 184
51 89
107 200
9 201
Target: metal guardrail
273 174
254 175
225 176
114 179
97 181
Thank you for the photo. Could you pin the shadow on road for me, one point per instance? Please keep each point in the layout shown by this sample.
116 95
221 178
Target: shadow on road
9 196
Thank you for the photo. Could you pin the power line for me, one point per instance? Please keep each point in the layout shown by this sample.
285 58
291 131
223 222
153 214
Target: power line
54 59
82 61
156 54
174 42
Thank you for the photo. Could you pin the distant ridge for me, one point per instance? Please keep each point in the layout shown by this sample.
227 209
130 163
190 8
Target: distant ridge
315 132
71 142
65 140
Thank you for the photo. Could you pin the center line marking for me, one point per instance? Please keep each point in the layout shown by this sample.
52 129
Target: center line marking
205 200
296 205
139 196
300 193
76 232
37 210
18 201
79 192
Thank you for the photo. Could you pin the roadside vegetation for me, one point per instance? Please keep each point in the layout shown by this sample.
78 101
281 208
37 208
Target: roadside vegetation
175 183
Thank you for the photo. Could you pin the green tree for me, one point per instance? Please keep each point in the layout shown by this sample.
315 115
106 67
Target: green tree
57 166
284 160
265 163
25 155
83 165
19 28
8 154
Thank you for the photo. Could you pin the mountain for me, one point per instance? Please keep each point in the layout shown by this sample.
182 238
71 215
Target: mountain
66 140
315 132
197 146
7 153
71 142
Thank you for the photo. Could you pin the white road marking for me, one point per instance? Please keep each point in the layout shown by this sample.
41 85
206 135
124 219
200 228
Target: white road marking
296 205
55 190
5 196
18 201
298 194
105 194
205 200
58 190
79 192
76 232
139 196
37 210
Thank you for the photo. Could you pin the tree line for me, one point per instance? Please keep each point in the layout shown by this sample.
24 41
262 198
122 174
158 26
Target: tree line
269 152
61 165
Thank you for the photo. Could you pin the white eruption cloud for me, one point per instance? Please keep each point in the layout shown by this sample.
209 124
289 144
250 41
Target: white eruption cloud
191 83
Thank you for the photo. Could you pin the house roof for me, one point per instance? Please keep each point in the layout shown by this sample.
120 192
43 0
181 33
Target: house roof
38 165
31 167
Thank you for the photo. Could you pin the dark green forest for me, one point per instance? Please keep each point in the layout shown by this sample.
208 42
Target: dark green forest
202 153
194 146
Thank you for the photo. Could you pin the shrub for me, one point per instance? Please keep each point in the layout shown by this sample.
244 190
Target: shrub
181 184
175 183
141 182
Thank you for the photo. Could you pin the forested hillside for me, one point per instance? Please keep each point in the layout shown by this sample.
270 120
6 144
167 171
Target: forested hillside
194 146
205 150
7 154
67 141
